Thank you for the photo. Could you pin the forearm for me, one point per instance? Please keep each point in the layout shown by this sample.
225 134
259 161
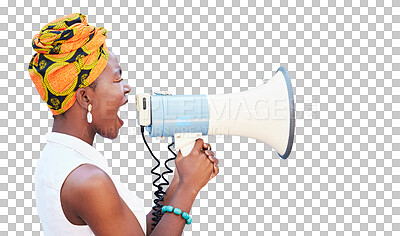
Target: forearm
170 223
169 193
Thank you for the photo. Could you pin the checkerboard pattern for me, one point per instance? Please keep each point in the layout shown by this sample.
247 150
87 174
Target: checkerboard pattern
343 176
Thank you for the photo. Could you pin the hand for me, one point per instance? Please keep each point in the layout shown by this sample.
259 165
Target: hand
211 155
197 168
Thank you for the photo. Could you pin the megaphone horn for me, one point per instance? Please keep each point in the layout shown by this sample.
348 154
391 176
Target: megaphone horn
265 113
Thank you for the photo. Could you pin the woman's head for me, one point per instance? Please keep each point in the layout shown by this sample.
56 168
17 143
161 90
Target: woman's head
74 68
106 97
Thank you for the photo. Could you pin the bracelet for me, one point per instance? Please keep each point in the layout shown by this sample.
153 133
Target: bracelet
178 212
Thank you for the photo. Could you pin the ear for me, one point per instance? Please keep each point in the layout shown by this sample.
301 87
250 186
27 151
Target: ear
84 97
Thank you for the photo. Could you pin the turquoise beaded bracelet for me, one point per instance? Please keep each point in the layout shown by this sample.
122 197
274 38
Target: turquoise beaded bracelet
178 212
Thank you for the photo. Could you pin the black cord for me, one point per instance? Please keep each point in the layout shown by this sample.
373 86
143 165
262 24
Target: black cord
159 193
166 166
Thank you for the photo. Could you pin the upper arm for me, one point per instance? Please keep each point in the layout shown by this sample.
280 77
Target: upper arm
92 196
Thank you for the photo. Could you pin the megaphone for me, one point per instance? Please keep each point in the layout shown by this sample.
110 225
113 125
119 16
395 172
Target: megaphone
265 113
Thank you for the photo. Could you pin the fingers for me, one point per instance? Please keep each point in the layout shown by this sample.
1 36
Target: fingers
206 146
215 171
211 156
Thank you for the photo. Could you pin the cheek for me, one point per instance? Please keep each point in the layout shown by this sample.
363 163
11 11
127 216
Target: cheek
109 104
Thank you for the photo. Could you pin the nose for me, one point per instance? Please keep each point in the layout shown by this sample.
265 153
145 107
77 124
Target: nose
127 88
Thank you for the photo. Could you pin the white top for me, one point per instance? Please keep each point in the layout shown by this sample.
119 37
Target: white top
61 155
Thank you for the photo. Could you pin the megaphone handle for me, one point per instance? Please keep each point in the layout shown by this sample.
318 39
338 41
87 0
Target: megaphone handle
187 149
185 142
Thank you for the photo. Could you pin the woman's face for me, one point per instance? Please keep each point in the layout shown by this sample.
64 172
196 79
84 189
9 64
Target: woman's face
109 97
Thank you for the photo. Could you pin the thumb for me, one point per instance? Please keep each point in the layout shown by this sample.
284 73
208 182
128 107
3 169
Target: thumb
197 148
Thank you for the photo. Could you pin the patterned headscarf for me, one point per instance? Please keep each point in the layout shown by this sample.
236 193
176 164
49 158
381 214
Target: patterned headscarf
70 54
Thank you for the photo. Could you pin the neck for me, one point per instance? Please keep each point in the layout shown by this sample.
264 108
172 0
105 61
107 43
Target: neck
79 128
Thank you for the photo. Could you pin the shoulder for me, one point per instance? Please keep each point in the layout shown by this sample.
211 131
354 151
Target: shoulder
86 190
88 181
87 176
90 197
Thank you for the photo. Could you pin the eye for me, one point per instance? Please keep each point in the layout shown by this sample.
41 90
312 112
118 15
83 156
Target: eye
119 80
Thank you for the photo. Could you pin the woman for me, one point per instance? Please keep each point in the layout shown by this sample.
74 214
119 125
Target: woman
76 193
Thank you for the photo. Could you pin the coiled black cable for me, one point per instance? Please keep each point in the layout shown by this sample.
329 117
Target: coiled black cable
167 167
159 193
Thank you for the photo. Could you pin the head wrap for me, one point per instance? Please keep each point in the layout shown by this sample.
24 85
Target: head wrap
70 54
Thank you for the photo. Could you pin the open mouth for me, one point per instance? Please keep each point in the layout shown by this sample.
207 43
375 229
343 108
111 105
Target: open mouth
121 122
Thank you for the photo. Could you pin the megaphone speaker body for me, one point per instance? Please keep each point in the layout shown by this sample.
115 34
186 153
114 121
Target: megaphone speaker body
265 113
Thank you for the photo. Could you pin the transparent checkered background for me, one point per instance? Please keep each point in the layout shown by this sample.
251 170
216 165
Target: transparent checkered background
342 177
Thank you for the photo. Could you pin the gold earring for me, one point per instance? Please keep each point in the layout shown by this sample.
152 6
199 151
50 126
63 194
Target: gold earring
89 115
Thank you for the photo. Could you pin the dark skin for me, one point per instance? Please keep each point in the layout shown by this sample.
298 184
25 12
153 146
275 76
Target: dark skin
88 195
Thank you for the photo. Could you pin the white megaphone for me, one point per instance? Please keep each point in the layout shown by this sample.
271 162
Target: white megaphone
265 113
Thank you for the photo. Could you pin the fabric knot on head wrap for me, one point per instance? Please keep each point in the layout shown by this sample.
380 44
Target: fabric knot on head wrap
70 54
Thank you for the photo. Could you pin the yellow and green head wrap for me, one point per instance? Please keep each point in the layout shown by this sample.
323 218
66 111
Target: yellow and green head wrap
70 54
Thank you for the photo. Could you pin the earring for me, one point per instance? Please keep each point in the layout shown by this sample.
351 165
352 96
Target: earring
89 115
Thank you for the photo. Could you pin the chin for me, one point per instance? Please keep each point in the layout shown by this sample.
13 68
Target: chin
110 129
109 136
113 136
111 133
